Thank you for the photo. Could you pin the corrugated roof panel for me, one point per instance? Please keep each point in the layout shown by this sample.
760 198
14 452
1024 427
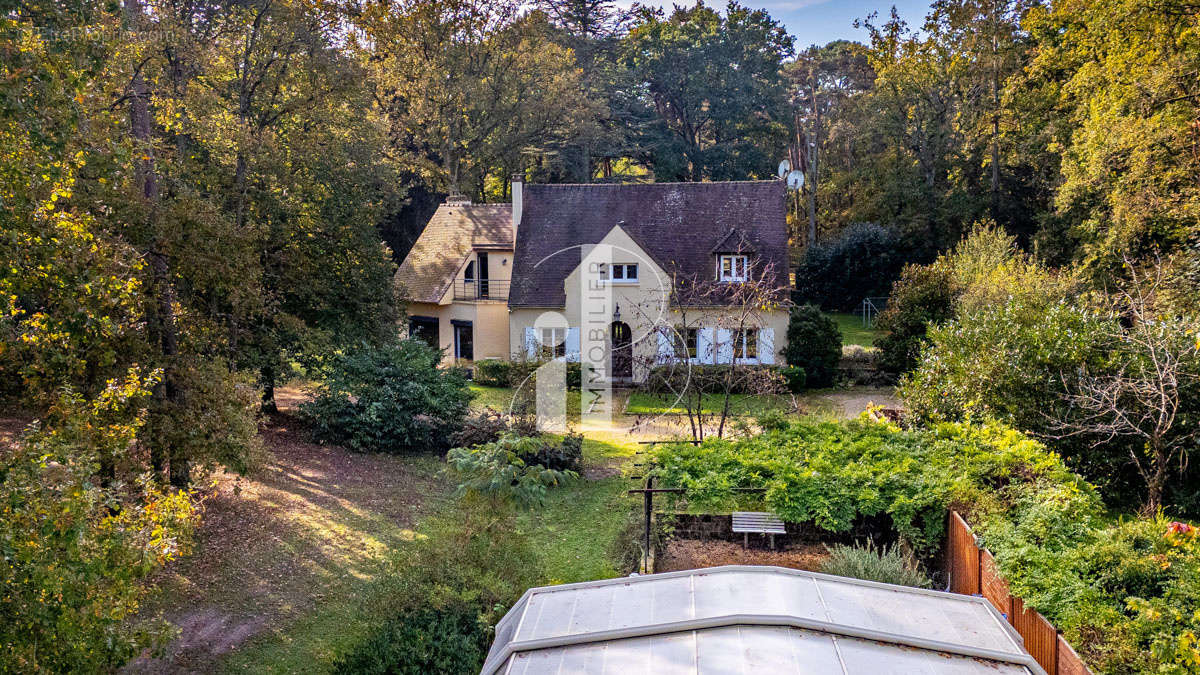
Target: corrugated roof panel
747 619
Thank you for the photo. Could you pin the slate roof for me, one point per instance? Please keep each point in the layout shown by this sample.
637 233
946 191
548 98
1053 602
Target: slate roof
455 229
680 225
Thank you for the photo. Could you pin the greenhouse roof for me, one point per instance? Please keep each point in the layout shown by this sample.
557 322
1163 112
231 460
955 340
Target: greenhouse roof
752 619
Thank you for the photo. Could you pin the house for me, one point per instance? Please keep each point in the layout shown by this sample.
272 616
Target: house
748 619
658 240
455 280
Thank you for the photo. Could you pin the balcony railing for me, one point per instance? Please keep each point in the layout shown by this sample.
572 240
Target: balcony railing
481 289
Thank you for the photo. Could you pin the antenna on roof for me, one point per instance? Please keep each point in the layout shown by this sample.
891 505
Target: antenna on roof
784 167
795 180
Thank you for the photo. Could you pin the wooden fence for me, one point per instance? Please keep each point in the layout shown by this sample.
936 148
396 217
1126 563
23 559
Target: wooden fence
972 571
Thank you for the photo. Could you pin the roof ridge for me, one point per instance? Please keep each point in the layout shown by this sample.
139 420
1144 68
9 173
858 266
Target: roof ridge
757 181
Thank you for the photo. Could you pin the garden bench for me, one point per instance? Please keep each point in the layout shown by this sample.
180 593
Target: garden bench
757 522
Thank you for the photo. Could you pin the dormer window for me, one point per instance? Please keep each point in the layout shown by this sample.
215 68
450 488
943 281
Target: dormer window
733 268
621 273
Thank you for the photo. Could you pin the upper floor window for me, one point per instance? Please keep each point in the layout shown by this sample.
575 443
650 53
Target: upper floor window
626 273
469 273
733 267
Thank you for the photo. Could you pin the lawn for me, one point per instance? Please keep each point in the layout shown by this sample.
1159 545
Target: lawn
574 531
853 332
643 403
290 560
285 557
500 398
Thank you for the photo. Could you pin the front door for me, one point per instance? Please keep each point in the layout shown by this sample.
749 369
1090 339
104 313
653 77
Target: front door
622 351
464 341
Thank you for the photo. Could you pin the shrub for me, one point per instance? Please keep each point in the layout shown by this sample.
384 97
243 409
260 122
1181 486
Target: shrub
492 373
861 262
76 552
1008 362
835 473
512 469
487 425
564 455
795 377
392 398
923 296
887 565
814 343
419 641
705 378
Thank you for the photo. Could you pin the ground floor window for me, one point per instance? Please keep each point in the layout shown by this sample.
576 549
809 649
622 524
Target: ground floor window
686 342
464 340
424 328
745 344
554 342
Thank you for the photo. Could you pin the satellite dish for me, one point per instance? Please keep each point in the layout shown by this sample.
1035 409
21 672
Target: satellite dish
784 167
795 180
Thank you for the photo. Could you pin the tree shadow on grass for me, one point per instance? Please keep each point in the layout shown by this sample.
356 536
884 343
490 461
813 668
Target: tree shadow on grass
307 535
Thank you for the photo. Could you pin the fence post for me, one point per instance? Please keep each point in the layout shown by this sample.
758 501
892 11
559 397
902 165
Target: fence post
648 503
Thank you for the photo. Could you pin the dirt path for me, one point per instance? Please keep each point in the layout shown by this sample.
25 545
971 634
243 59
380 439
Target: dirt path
312 525
689 554
853 402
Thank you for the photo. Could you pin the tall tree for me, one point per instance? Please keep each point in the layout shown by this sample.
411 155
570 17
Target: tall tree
711 91
470 87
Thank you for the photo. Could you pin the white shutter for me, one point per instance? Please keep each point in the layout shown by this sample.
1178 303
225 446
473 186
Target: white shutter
766 345
573 344
531 342
666 344
724 345
704 345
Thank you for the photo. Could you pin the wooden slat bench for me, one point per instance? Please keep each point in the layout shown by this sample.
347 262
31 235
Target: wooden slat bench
757 522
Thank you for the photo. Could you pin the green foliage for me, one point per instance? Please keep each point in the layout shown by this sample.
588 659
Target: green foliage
814 343
514 469
76 551
714 99
497 373
392 398
492 372
862 261
797 379
419 641
887 565
923 296
835 473
705 378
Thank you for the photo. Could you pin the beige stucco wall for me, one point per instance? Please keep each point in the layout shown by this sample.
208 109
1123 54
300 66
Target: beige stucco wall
643 305
489 323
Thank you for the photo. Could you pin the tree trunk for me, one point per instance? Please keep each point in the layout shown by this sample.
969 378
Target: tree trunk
995 120
268 390
141 130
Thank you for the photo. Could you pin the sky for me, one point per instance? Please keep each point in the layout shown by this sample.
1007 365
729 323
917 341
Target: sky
820 21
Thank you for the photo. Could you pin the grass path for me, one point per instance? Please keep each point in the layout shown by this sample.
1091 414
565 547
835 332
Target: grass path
853 331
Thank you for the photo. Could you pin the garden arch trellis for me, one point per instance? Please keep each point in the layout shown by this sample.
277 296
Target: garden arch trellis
648 493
